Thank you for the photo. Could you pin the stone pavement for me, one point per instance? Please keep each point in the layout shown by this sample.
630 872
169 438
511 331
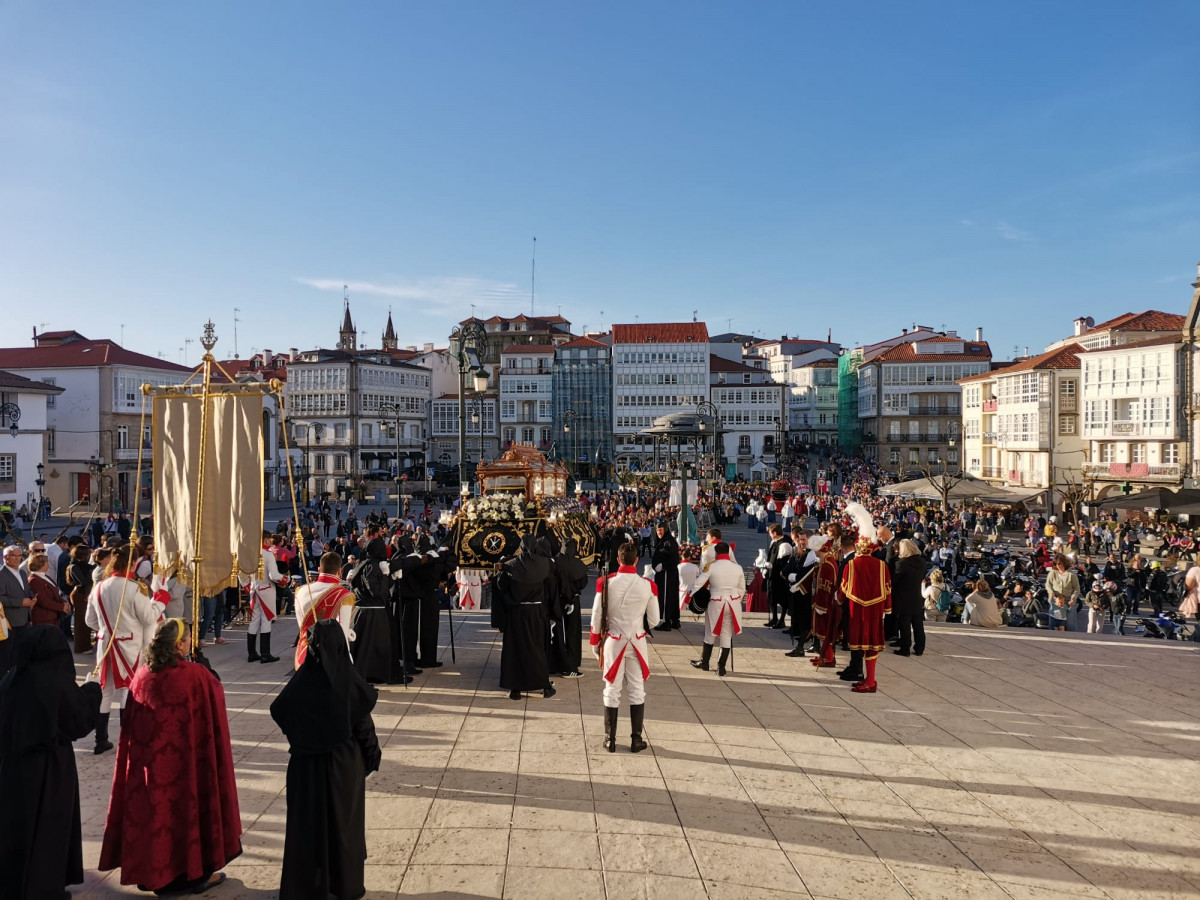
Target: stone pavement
1000 764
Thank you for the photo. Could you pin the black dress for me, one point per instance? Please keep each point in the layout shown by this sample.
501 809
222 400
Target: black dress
524 586
325 713
42 711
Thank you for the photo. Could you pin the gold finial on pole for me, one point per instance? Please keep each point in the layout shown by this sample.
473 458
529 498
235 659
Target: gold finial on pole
210 337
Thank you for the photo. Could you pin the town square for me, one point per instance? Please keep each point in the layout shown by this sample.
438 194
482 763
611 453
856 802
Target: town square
642 451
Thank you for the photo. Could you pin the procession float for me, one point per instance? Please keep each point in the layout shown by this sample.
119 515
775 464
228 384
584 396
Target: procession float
521 494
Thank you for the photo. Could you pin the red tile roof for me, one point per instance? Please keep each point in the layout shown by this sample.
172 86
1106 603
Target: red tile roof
997 369
661 333
547 349
81 353
1063 358
583 342
1148 320
59 336
974 351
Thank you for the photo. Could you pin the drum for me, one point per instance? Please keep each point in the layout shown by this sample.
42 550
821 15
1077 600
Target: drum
698 601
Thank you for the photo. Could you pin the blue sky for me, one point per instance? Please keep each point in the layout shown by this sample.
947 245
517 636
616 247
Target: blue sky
775 167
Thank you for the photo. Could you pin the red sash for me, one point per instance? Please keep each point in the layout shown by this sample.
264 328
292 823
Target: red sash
325 607
121 671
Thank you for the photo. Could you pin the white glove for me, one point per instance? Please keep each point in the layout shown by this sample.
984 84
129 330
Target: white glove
384 567
432 553
795 588
596 650
658 568
397 575
570 608
792 578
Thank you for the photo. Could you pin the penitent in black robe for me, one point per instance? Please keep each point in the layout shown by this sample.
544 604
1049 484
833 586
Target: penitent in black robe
566 650
325 713
42 711
526 587
376 630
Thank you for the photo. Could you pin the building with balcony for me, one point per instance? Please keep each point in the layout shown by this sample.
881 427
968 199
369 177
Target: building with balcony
581 393
525 379
1020 422
94 425
812 403
1134 423
355 416
658 368
850 426
909 398
1123 329
752 418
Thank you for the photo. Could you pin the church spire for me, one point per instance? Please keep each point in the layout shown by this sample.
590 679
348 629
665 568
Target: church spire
389 334
347 337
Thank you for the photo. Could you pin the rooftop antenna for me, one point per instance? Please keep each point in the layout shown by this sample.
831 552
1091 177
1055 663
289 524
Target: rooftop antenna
472 310
122 334
729 324
694 312
236 310
187 345
533 276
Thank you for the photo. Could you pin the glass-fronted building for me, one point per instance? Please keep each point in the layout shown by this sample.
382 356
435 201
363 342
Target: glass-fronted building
582 407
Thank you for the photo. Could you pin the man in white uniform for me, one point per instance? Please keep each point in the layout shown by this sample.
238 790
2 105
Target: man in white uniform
262 606
723 615
710 549
621 608
124 615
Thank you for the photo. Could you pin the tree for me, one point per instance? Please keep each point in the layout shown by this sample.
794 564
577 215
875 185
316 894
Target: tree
1073 493
942 481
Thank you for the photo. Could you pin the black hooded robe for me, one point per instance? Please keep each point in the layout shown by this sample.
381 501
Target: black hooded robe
566 650
42 711
376 641
525 586
325 713
666 554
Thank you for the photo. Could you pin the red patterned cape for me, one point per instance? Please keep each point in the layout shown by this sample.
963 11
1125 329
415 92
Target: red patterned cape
867 585
174 807
826 614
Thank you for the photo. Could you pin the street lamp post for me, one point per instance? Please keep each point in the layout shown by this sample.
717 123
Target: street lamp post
390 411
41 483
12 413
572 418
309 428
472 341
708 409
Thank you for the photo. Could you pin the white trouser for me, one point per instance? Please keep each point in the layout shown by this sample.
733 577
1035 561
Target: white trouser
111 696
713 613
259 623
628 675
1095 620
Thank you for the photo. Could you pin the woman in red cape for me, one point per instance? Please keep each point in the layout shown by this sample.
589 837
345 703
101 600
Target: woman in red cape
173 817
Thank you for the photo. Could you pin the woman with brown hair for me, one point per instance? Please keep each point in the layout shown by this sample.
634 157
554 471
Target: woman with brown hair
173 817
79 579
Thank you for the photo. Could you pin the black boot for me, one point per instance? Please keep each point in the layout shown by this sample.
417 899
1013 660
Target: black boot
798 650
705 656
637 715
266 649
252 648
854 671
103 744
816 644
610 729
724 658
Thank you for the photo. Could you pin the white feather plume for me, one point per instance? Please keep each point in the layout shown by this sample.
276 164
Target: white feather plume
862 518
817 541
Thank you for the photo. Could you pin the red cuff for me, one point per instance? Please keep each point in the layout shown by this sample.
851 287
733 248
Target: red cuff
161 596
595 639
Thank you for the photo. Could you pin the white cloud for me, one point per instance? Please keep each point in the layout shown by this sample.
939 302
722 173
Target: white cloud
1012 232
431 295
966 222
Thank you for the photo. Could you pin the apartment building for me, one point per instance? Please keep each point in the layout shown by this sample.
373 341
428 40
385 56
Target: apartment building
1133 414
658 368
581 393
751 413
94 426
1020 421
909 398
354 416
525 381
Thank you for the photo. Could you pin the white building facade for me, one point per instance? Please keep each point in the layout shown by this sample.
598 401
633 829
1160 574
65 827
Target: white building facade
1133 422
750 409
658 369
